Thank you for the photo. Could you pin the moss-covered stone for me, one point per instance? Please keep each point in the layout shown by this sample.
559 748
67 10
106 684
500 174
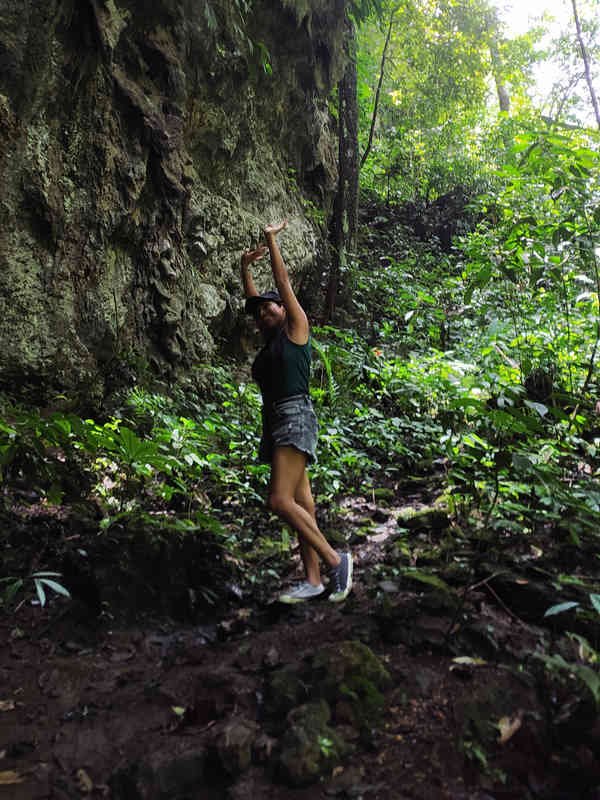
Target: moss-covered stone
346 679
383 494
351 677
309 747
482 712
284 690
424 518
234 745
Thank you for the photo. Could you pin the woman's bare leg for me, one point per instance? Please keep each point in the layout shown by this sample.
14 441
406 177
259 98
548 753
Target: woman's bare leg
310 557
288 472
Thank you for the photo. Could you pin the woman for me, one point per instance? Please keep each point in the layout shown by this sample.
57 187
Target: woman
289 438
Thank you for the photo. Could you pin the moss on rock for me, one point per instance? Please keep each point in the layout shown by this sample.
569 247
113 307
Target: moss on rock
352 678
424 518
309 747
285 689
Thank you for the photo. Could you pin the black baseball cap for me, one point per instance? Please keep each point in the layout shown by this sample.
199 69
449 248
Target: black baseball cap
252 303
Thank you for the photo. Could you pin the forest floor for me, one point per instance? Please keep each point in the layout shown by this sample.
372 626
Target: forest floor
465 707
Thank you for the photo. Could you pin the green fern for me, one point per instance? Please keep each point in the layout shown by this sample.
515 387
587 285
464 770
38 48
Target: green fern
332 386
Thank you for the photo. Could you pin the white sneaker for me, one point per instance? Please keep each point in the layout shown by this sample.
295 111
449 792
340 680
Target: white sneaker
301 592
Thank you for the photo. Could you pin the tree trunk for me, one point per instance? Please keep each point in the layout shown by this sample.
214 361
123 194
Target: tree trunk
502 91
586 63
379 84
497 65
345 209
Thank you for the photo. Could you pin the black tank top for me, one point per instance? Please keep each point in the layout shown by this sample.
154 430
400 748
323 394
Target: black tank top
282 368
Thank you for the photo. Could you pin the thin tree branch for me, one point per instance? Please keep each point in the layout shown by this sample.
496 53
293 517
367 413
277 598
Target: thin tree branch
592 361
379 84
586 63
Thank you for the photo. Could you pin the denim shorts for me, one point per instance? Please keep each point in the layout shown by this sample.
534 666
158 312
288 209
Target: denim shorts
289 422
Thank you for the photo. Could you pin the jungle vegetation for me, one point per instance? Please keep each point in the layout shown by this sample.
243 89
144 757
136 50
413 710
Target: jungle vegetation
459 324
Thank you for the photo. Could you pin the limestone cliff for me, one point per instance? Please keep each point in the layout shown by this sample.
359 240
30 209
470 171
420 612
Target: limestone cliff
142 145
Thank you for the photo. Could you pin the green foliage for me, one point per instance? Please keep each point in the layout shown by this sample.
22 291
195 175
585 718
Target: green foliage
361 10
587 677
534 255
434 130
480 361
436 367
37 582
326 746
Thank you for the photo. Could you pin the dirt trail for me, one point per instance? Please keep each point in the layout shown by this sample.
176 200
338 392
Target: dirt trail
162 710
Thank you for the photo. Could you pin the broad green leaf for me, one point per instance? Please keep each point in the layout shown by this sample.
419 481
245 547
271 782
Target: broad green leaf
585 296
541 409
62 424
558 609
57 587
46 575
482 278
591 679
595 600
40 592
55 494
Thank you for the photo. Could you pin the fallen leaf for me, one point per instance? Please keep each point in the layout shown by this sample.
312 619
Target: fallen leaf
9 777
508 727
466 661
7 705
337 771
84 782
178 710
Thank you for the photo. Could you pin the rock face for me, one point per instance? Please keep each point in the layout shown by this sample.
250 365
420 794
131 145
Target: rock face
142 146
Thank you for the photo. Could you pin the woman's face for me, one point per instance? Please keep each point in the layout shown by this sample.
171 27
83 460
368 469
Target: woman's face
269 316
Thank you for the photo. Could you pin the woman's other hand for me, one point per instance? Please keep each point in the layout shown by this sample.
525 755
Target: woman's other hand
275 227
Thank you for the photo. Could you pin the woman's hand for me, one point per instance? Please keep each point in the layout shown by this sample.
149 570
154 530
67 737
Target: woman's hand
250 256
275 227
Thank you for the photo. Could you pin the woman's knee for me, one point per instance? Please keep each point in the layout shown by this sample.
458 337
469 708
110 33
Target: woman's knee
279 503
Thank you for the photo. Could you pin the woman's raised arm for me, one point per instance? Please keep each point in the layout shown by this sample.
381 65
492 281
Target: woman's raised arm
297 322
249 257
